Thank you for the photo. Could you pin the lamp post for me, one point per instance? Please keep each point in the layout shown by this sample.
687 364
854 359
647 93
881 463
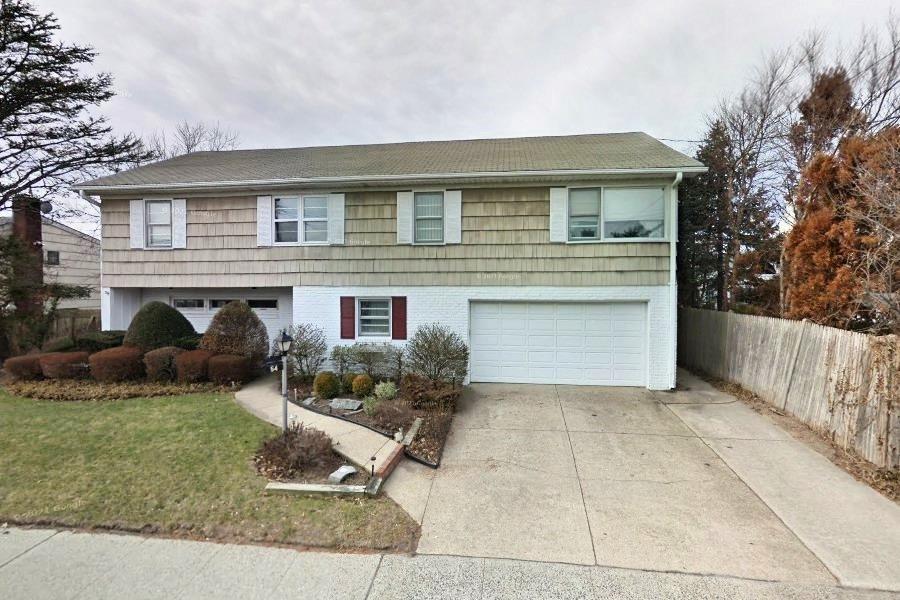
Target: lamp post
284 346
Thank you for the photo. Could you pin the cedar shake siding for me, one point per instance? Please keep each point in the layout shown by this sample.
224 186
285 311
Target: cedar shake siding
505 242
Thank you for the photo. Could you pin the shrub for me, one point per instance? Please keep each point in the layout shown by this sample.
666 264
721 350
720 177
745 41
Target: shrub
347 382
192 365
438 354
95 341
87 389
60 344
308 350
236 329
341 360
64 365
160 363
24 368
156 325
226 369
326 385
188 342
293 452
124 363
370 403
362 386
391 416
371 359
386 390
422 393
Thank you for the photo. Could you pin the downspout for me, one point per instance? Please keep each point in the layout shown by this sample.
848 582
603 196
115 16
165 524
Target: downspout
673 281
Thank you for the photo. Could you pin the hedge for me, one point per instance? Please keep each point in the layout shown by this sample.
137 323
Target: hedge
112 365
192 365
228 368
95 341
64 365
24 368
160 363
156 325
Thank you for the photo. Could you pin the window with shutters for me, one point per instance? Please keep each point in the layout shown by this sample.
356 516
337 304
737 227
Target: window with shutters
374 317
584 214
159 223
428 217
301 219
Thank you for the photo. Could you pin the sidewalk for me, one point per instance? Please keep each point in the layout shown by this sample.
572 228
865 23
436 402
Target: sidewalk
36 564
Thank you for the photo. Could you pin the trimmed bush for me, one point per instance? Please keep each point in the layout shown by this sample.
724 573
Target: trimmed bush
95 341
60 344
24 368
362 386
437 353
236 329
124 363
192 366
188 342
226 369
347 382
64 365
386 390
160 363
156 325
307 352
326 385
422 393
294 452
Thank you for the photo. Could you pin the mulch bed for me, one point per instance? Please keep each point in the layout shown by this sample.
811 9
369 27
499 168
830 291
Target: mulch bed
427 446
320 474
86 389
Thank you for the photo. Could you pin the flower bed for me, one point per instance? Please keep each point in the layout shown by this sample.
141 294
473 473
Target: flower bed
303 455
85 389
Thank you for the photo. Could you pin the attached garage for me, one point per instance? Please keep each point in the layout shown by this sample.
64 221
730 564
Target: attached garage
580 343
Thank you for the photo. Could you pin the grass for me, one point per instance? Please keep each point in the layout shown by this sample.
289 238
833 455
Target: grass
176 465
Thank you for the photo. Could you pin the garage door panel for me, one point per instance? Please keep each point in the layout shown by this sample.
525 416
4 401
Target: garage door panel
576 343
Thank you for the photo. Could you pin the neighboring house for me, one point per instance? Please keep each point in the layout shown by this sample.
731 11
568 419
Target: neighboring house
553 257
70 257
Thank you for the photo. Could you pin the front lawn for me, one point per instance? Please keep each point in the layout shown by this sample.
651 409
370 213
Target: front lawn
177 465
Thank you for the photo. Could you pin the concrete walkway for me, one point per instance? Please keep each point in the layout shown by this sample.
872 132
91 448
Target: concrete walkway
362 446
37 564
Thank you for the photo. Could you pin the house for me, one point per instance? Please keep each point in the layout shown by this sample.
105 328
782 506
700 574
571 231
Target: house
554 257
70 257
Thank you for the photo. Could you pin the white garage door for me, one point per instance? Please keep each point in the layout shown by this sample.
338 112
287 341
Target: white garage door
572 343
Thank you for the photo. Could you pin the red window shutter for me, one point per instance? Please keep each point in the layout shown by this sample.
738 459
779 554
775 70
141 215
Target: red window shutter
398 317
348 317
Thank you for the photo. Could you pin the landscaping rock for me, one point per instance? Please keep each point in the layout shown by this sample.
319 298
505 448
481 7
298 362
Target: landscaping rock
345 404
341 474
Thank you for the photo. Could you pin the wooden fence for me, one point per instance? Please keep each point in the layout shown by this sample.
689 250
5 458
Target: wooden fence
845 385
69 322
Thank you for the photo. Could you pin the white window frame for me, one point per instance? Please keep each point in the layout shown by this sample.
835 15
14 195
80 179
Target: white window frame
148 224
273 309
300 220
605 240
415 217
599 237
203 308
390 318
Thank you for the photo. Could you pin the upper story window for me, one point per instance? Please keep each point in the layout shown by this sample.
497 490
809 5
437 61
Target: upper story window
611 213
584 214
428 210
301 219
374 317
53 257
159 223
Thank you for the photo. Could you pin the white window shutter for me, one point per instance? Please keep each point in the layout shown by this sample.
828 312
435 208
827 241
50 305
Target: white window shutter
404 217
179 223
335 218
264 221
558 214
136 223
453 217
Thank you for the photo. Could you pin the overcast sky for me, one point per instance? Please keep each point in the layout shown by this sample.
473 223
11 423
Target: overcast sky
289 73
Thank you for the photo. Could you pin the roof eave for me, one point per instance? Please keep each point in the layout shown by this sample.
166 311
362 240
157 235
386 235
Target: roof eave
380 180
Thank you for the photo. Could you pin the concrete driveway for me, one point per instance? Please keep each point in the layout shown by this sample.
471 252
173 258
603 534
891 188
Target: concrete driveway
626 477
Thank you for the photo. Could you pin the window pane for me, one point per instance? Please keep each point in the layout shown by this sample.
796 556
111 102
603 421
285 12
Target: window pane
634 213
374 317
286 208
315 207
159 213
429 230
263 303
188 303
584 202
52 257
218 302
430 204
584 228
286 231
159 235
315 231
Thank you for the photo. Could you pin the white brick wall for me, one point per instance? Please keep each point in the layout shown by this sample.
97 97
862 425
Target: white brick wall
450 306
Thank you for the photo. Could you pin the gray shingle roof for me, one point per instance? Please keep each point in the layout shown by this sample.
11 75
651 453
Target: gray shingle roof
610 151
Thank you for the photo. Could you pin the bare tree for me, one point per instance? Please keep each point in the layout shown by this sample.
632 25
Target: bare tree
191 137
